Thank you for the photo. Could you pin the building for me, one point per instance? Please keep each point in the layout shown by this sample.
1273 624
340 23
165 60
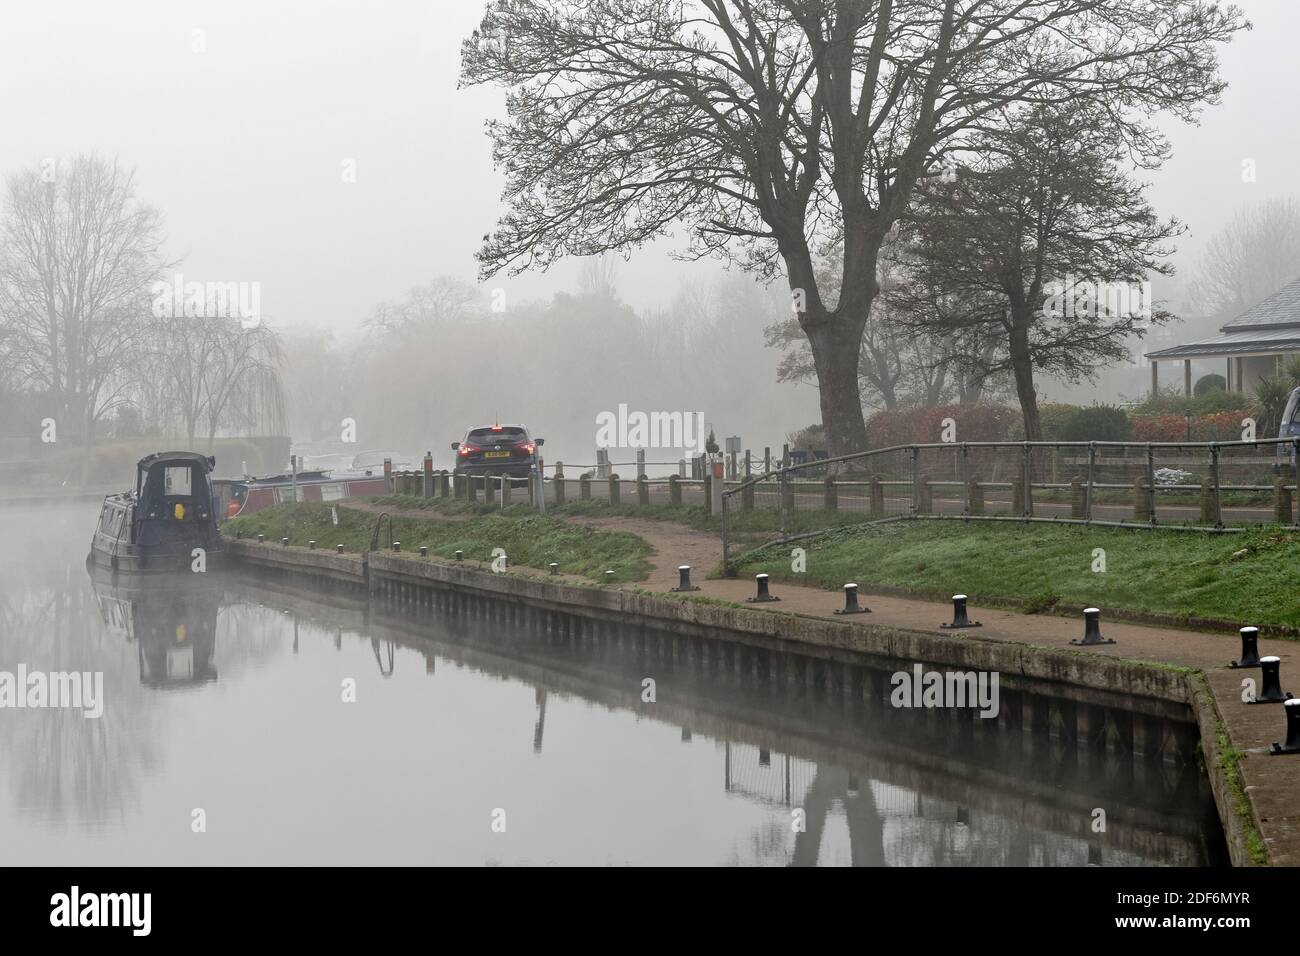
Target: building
1251 347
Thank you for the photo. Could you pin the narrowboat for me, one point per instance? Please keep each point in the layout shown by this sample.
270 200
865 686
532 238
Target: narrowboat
246 496
158 525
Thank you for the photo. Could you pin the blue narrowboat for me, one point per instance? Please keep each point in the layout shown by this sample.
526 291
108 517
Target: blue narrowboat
168 522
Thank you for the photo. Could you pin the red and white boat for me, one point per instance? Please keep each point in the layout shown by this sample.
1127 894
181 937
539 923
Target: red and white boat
246 496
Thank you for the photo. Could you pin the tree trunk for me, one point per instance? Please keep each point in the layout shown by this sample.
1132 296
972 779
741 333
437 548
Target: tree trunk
1022 366
836 348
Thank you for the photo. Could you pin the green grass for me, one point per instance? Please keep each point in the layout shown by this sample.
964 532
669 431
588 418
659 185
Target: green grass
1186 574
529 540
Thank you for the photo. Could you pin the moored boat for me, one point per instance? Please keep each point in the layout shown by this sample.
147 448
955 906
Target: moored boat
168 522
246 496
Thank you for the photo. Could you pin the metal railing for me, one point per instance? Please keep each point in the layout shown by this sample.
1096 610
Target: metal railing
1205 486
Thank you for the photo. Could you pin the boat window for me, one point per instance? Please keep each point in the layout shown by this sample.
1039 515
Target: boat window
176 480
106 521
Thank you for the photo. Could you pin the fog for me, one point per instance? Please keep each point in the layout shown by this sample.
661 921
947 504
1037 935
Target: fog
323 151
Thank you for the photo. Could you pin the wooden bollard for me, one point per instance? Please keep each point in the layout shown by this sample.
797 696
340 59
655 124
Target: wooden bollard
1210 516
830 496
643 490
615 486
1281 501
1141 503
876 493
584 488
674 491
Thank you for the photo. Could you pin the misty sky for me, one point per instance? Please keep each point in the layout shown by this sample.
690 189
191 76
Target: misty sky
242 145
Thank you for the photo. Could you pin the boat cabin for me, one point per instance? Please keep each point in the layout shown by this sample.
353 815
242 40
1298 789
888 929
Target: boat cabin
157 525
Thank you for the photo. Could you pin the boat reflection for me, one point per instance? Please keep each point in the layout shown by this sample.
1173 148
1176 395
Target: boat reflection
172 620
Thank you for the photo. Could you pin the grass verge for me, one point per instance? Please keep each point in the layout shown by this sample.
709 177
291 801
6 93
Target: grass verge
1246 577
530 540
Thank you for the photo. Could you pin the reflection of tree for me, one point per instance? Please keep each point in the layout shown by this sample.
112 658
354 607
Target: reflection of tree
59 764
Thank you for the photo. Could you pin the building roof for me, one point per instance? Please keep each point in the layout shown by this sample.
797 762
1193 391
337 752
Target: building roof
1282 308
1266 328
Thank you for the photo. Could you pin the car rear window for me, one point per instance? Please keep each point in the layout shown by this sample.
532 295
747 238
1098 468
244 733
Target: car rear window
490 434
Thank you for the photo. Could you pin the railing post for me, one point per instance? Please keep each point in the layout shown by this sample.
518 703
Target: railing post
783 483
674 491
615 489
427 490
506 487
1214 476
1087 495
877 493
1151 483
559 482
643 490
1029 481
830 498
965 479
726 551
916 481
640 463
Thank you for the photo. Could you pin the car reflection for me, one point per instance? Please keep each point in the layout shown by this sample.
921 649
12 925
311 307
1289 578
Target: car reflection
172 620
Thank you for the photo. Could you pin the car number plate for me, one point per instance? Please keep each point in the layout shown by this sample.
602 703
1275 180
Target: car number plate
496 454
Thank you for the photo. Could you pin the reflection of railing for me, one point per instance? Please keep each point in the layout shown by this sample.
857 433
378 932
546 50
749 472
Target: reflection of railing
385 669
1216 486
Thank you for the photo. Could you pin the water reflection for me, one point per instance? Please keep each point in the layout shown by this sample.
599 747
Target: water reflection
172 620
463 707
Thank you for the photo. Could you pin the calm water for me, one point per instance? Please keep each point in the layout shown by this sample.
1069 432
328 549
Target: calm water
224 694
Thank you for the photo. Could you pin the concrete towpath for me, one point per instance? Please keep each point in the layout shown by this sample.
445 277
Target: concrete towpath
1271 783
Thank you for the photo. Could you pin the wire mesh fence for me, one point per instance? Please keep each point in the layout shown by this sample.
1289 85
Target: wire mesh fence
1214 486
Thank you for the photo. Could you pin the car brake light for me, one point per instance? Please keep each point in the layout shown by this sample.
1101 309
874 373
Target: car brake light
528 447
468 449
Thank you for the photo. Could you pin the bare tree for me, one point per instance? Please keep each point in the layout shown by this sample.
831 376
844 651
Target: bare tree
1253 256
773 127
78 252
1047 205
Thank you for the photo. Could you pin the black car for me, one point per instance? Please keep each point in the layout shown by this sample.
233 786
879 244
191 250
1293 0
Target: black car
497 450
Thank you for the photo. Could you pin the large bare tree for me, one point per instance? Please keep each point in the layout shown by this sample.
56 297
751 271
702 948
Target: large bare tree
78 252
773 127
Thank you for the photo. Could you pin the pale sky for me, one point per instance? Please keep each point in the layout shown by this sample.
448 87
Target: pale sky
242 145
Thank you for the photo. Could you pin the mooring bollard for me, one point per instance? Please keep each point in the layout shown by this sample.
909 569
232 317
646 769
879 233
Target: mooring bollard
424 551
460 555
555 568
311 545
762 595
684 579
397 546
609 577
1270 691
338 548
851 605
1092 628
959 618
284 542
1292 746
261 538
1249 648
